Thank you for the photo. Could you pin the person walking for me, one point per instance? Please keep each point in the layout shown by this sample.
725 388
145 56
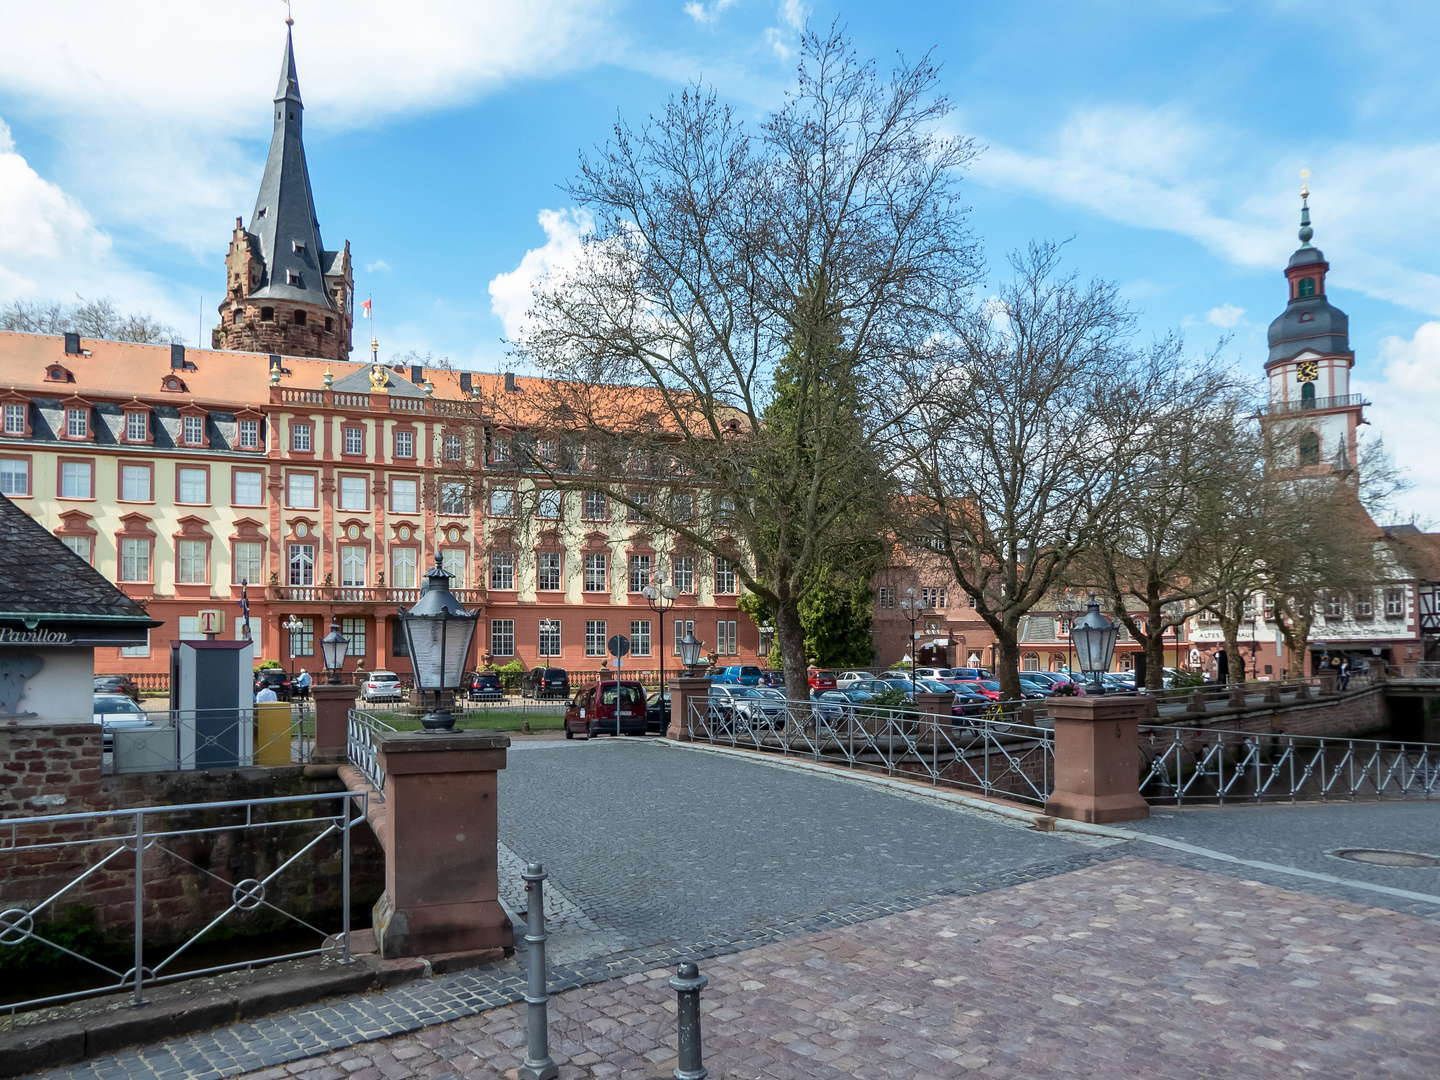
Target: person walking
266 693
1345 674
302 684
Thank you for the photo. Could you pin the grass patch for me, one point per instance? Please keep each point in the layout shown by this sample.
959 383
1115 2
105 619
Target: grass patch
489 720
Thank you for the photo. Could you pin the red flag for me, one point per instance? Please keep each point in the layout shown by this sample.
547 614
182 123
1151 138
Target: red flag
365 309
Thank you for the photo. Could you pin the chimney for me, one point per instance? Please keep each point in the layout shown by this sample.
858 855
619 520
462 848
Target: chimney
417 374
72 344
465 383
509 382
177 356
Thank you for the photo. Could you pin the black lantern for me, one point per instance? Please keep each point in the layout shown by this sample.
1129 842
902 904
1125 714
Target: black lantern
333 647
690 651
438 632
1094 637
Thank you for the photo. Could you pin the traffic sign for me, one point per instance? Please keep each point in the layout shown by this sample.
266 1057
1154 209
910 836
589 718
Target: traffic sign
619 645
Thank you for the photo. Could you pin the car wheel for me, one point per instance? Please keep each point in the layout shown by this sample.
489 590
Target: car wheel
568 733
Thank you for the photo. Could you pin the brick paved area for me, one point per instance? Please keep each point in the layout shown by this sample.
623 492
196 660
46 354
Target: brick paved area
1130 969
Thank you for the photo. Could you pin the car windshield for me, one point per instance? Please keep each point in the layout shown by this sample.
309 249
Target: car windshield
554 673
769 692
935 687
384 678
989 684
629 695
115 703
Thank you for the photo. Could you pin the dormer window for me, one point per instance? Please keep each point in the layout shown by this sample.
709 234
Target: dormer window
1307 316
1306 287
297 247
137 427
15 414
292 277
77 423
192 430
261 211
58 373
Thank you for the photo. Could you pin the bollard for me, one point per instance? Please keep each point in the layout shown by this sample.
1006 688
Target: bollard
538 1063
688 982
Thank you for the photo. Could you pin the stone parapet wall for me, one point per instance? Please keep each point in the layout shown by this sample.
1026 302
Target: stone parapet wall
1350 715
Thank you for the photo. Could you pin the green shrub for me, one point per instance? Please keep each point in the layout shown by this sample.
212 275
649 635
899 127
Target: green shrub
509 674
1184 679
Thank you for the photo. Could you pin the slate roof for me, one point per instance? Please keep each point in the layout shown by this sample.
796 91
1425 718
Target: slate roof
358 382
40 575
284 220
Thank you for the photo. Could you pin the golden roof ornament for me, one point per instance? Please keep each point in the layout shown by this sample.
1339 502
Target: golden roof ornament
378 380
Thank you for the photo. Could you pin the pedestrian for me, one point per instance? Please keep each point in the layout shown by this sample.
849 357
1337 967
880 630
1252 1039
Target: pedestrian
267 693
303 685
1345 674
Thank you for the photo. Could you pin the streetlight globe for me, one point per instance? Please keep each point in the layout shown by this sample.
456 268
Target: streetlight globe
909 592
649 592
669 592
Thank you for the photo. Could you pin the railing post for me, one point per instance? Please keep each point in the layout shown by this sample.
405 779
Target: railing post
139 907
345 957
538 1063
687 984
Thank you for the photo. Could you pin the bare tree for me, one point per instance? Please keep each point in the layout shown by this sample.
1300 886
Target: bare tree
96 319
732 356
1018 455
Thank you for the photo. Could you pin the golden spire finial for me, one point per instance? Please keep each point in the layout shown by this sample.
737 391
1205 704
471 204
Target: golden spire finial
288 20
1304 183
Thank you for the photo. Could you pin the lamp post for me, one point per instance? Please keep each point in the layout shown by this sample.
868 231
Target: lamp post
913 610
292 627
332 647
661 599
690 652
438 632
1094 638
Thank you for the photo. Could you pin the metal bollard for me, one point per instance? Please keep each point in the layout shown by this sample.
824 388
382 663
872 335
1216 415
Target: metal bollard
688 982
538 1063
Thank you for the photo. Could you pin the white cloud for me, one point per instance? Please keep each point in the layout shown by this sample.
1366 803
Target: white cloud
791 15
1226 315
1406 404
511 293
707 15
377 266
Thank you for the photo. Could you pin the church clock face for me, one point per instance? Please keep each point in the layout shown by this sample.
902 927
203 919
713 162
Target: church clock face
1307 371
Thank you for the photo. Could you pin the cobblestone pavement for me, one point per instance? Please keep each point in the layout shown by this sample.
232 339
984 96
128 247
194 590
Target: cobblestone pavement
1130 969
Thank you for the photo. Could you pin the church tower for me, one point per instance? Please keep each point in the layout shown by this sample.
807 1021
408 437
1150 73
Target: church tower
284 293
1313 418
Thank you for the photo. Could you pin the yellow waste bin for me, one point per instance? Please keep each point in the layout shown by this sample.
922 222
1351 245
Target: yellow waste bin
272 733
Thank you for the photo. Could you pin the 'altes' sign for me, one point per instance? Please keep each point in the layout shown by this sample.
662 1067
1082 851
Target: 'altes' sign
33 637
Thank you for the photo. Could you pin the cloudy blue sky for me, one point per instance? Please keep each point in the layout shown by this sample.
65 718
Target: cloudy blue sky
1165 137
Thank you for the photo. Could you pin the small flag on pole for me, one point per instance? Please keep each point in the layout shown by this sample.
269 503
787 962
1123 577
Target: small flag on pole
365 309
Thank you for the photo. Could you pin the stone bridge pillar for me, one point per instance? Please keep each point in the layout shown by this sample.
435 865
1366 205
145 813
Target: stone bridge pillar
1097 758
683 690
332 722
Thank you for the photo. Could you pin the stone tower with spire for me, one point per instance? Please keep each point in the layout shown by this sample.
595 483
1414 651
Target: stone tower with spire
284 293
1313 418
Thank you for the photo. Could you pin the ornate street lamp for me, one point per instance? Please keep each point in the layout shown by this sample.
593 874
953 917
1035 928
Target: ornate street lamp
661 599
333 647
914 609
438 632
1094 638
293 626
690 651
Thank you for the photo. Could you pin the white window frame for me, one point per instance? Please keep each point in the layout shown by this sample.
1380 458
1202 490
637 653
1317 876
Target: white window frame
410 504
596 573
354 566
77 423
137 426
639 637
682 573
595 637
73 470
502 502
544 569
406 559
453 499
76 543
192 430
298 483
180 482
192 562
245 555
134 559
548 641
235 485
502 637
725 579
502 570
15 416
249 434
354 439
455 562
405 444
300 565
640 568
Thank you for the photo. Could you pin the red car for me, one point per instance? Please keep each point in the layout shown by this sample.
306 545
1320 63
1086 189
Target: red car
607 708
820 679
988 687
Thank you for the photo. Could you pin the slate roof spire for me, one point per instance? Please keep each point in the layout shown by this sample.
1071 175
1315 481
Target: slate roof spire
284 219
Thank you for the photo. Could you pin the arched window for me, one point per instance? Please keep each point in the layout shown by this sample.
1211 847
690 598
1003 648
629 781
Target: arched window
1309 448
1307 395
1031 662
1307 287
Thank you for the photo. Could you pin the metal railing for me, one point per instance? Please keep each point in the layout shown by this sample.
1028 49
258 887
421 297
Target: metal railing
171 740
1202 765
1339 402
100 851
1001 753
362 728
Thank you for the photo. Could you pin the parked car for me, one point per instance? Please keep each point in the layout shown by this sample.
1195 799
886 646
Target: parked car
971 673
117 684
989 687
545 682
731 705
382 686
657 711
278 679
737 675
771 677
117 712
968 700
484 686
821 679
834 706
846 677
852 691
933 672
607 708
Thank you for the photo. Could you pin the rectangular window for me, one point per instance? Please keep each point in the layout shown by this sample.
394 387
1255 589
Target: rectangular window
682 507
299 437
80 545
633 513
682 627
77 423
354 440
398 645
502 502
499 448
724 576
403 496
354 629
15 419
14 476
402 568
352 493
683 573
1394 603
188 628
725 639
725 510
192 562
1365 605
1269 610
302 564
547 505
75 477
452 497
134 559
249 487
134 483
302 641
595 506
300 491
595 572
404 444
502 570
454 447
887 596
547 571
352 567
1247 609
453 561
549 644
640 637
191 486
137 427
502 637
972 601
934 599
249 434
639 572
192 431
248 561
594 637
549 452
1334 606
136 652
